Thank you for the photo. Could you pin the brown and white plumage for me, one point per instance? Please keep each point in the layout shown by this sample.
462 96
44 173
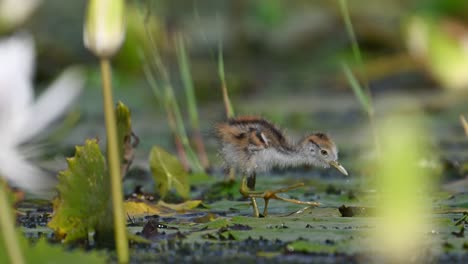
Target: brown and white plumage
252 144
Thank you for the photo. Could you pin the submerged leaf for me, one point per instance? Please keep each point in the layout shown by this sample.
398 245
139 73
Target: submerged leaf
168 173
83 205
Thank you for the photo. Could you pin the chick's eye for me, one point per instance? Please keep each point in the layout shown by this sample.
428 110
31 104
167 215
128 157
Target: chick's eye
324 152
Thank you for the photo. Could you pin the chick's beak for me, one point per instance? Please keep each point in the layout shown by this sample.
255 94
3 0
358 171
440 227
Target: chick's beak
338 166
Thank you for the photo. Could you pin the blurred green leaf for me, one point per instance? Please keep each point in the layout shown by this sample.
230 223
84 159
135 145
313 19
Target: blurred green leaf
269 12
42 252
403 186
168 173
84 203
443 8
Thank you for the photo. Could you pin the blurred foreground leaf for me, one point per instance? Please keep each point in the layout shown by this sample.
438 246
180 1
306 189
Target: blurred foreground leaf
83 204
168 173
403 188
42 252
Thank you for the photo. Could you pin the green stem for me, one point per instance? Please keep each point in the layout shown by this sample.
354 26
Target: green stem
174 107
358 58
227 102
121 240
7 227
354 43
187 80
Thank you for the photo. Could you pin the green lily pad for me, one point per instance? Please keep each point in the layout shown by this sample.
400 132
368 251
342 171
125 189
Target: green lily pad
303 246
168 173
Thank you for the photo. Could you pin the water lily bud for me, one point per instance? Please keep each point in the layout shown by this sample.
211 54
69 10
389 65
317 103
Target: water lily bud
13 13
104 29
441 46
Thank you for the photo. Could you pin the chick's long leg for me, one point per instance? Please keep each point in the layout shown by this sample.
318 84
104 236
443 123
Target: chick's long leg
270 194
248 187
229 174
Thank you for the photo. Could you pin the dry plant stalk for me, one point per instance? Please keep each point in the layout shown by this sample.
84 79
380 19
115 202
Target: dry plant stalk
464 124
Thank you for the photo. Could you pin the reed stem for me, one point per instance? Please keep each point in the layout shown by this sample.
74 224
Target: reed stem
227 102
184 68
121 241
369 108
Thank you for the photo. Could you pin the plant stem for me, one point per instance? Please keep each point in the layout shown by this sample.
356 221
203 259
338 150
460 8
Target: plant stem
114 165
174 107
170 103
184 68
187 80
227 103
200 148
178 142
354 43
358 58
7 226
170 116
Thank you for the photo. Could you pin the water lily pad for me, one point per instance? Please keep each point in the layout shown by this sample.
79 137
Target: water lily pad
168 173
303 246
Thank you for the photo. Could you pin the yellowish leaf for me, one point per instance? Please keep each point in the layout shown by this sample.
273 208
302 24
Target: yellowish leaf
187 205
136 208
140 207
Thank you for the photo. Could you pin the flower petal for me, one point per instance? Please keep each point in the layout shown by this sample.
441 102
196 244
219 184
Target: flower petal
16 92
18 171
53 102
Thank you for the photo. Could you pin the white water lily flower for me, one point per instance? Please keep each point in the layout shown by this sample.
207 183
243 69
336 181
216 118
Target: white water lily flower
21 115
13 12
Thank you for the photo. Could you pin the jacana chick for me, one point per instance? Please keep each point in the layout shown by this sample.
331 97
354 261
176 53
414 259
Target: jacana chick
252 144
